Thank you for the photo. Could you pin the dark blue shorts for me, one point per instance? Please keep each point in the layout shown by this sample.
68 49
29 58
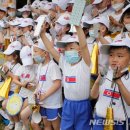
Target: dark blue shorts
76 115
118 125
10 93
50 114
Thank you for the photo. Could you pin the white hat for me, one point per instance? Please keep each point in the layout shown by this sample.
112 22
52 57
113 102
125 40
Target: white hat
15 22
71 2
42 4
3 9
64 19
26 56
2 24
12 5
49 6
97 2
63 4
14 46
65 41
119 43
35 4
27 22
40 45
25 8
102 19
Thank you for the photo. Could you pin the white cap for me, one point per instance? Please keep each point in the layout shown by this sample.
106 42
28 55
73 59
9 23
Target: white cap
102 19
25 8
64 42
63 4
27 22
26 56
35 4
42 4
12 5
72 2
64 19
3 9
49 6
40 45
97 2
15 22
119 43
14 46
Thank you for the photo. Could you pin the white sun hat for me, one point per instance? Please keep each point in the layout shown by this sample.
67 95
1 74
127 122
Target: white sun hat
27 22
97 2
25 8
14 46
118 43
26 56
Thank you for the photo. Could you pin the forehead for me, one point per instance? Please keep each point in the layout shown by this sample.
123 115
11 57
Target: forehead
119 51
74 45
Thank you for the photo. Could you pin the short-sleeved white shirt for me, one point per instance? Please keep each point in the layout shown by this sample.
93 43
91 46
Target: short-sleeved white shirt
46 76
105 94
27 73
76 80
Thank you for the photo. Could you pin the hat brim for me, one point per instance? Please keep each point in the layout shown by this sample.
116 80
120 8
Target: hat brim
105 48
27 61
97 2
61 44
8 51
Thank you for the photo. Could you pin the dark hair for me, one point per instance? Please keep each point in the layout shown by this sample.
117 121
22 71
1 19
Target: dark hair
68 26
119 47
126 13
17 53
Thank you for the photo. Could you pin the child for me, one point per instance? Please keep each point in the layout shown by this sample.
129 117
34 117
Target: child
11 66
125 20
119 59
75 65
49 85
25 75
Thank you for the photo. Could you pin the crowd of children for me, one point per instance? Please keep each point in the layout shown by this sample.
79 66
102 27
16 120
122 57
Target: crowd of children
55 70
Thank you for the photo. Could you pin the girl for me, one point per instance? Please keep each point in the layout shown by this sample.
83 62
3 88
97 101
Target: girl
75 65
118 94
27 30
118 6
25 75
49 85
125 20
26 11
11 66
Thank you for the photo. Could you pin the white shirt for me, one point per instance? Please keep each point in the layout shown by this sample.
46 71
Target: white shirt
105 94
76 80
46 76
121 36
28 74
13 68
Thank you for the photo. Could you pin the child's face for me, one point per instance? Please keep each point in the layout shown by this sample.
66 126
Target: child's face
126 19
9 58
38 51
119 58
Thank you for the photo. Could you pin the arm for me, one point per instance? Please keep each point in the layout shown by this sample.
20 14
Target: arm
50 47
50 91
17 82
124 92
83 46
95 89
103 40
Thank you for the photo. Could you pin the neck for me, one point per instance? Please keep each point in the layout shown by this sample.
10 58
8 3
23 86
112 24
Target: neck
46 61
